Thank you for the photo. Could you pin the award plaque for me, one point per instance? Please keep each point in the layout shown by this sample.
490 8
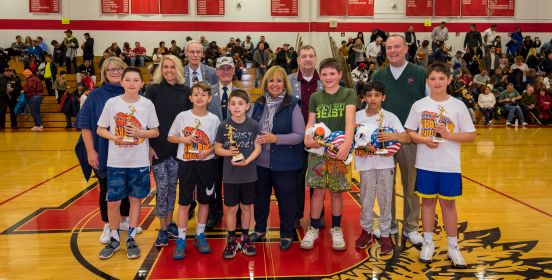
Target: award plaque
239 157
437 138
128 139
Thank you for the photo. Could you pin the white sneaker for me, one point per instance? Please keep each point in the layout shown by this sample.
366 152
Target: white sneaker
426 254
338 243
377 232
456 257
524 124
106 234
508 123
311 237
124 226
415 238
37 128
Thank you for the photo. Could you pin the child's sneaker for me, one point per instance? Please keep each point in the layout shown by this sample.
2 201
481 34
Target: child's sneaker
231 248
377 232
180 249
172 230
311 237
133 251
247 247
426 254
162 238
338 243
106 235
111 248
386 245
456 257
201 244
508 123
365 240
125 226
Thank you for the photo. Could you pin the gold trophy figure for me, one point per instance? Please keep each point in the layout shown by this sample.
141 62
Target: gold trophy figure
381 150
239 157
194 149
128 139
437 138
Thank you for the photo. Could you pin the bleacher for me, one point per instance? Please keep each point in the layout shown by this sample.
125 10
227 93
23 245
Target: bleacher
52 118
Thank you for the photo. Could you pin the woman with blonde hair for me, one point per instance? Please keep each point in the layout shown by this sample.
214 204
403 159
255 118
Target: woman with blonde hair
532 60
91 149
282 128
170 96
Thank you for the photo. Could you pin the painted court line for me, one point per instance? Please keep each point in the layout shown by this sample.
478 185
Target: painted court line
508 196
37 185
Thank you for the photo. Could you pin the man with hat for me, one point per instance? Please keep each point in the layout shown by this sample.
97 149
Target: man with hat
10 87
72 44
220 91
283 59
196 71
237 48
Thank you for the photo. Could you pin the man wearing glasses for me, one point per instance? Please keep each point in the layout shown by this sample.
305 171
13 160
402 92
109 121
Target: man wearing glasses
196 71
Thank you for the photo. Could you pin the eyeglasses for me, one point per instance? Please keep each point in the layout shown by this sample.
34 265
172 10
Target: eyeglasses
114 70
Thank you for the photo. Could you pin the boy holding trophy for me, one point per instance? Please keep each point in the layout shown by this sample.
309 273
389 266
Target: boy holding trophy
131 120
438 163
194 131
235 141
377 171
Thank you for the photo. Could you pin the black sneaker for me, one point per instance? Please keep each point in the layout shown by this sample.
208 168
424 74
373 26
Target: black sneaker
247 247
231 248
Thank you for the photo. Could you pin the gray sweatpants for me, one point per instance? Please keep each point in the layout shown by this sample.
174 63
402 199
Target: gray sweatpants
376 182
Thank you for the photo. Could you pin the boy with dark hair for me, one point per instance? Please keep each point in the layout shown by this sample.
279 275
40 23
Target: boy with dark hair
439 123
194 131
335 106
377 171
235 141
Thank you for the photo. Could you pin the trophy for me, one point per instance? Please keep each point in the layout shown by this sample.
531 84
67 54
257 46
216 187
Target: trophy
194 149
239 157
437 138
381 150
128 139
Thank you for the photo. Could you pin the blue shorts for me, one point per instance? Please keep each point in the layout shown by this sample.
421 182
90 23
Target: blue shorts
127 182
430 184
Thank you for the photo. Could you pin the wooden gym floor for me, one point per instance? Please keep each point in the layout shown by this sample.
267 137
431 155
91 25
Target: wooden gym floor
49 222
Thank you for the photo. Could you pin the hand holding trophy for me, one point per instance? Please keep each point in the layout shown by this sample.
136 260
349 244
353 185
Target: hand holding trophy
129 125
194 149
380 148
233 145
438 138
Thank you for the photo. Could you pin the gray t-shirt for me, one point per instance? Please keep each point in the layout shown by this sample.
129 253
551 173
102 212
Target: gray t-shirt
244 134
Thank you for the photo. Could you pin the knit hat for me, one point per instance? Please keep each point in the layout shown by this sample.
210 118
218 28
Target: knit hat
27 72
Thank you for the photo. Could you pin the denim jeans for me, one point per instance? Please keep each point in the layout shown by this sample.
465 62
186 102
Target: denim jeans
514 109
140 58
34 104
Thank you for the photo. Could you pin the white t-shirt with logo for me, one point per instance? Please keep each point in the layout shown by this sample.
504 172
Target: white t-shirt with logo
366 160
422 118
115 115
204 128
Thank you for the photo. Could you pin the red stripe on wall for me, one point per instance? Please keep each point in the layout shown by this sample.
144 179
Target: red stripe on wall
129 25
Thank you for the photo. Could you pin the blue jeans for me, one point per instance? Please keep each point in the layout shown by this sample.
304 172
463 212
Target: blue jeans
133 61
284 183
34 104
514 109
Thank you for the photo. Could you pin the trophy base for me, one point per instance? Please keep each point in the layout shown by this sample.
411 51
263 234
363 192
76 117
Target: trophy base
381 152
193 151
436 139
238 158
127 139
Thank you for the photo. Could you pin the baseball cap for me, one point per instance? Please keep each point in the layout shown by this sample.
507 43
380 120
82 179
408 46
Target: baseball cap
225 60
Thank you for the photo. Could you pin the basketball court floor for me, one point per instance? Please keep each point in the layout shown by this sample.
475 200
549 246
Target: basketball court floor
50 224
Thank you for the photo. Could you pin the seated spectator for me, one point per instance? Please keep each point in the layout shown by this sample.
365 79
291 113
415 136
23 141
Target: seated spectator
113 49
139 53
104 57
499 80
60 86
441 53
43 46
283 59
546 65
261 61
161 49
544 101
481 80
35 50
230 43
293 62
522 66
58 53
4 60
469 101
125 53
422 54
212 53
547 81
249 48
17 47
532 60
486 102
510 99
472 60
86 69
457 63
175 50
238 65
344 50
237 48
529 104
504 62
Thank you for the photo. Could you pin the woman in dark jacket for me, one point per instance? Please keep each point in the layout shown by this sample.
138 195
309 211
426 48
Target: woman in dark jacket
282 126
170 97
